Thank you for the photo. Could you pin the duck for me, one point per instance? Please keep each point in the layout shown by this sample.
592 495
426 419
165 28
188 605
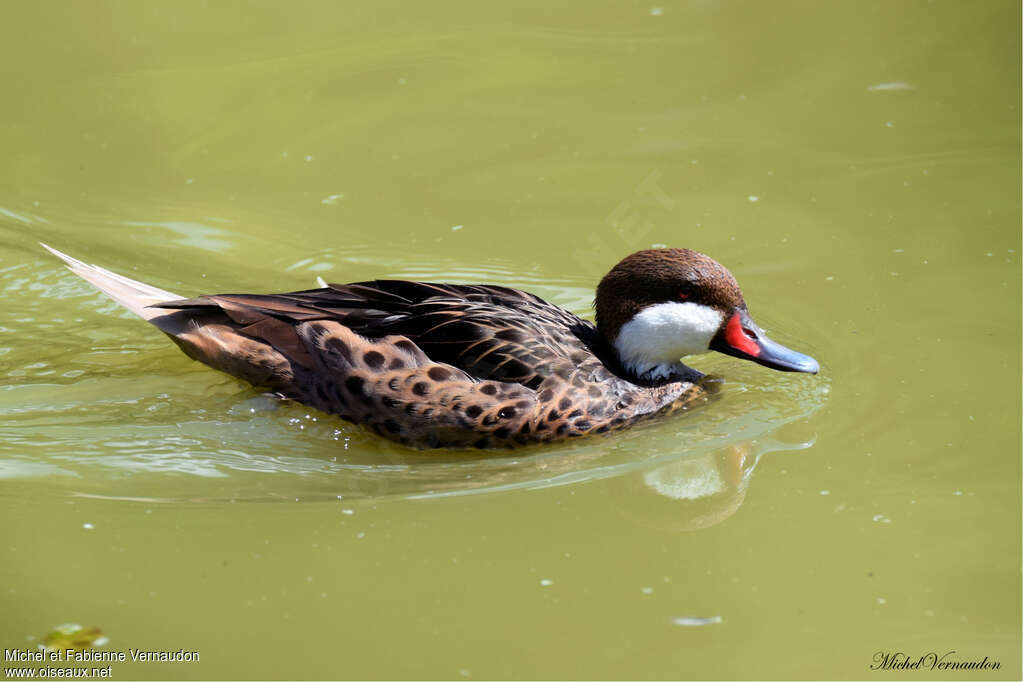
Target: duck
462 366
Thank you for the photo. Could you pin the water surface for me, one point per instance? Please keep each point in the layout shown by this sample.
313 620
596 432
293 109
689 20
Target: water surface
856 166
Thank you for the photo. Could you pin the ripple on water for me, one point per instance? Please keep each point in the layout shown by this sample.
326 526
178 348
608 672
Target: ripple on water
120 449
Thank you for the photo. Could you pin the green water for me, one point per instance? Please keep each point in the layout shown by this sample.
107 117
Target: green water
856 165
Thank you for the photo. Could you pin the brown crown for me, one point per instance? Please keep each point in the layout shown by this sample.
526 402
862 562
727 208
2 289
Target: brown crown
654 276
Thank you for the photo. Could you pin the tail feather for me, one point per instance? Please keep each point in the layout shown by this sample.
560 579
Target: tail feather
132 294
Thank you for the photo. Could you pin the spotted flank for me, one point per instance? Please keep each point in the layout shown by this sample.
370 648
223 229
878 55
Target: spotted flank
444 365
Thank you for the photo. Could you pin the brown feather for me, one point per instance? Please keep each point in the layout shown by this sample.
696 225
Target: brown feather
426 365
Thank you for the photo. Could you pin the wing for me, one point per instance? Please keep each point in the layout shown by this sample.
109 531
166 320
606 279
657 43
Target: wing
489 332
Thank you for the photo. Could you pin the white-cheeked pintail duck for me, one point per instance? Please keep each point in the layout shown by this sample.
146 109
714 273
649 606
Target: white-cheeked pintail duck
457 365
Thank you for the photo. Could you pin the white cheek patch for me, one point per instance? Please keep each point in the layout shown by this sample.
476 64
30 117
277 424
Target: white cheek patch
660 334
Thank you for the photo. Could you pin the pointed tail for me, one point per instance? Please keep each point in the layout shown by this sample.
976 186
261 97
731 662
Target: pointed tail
133 295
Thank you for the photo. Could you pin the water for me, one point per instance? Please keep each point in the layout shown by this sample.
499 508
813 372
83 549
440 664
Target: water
857 167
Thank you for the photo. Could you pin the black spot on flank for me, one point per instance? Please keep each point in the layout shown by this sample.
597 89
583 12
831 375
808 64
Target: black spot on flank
373 359
602 429
488 389
546 395
390 402
337 346
553 415
410 409
533 383
406 345
438 373
396 363
562 428
594 391
393 384
420 388
524 429
564 404
503 432
473 411
355 385
507 412
575 413
392 426
523 404
581 425
490 420
428 413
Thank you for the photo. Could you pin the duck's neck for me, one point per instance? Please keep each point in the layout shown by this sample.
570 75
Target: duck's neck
651 376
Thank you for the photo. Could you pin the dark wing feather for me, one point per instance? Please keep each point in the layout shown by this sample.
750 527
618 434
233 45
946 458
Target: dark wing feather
490 332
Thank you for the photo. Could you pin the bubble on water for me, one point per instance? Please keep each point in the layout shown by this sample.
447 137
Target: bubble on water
690 621
882 87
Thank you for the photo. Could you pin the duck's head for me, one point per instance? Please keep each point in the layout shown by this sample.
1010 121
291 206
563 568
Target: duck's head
660 305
